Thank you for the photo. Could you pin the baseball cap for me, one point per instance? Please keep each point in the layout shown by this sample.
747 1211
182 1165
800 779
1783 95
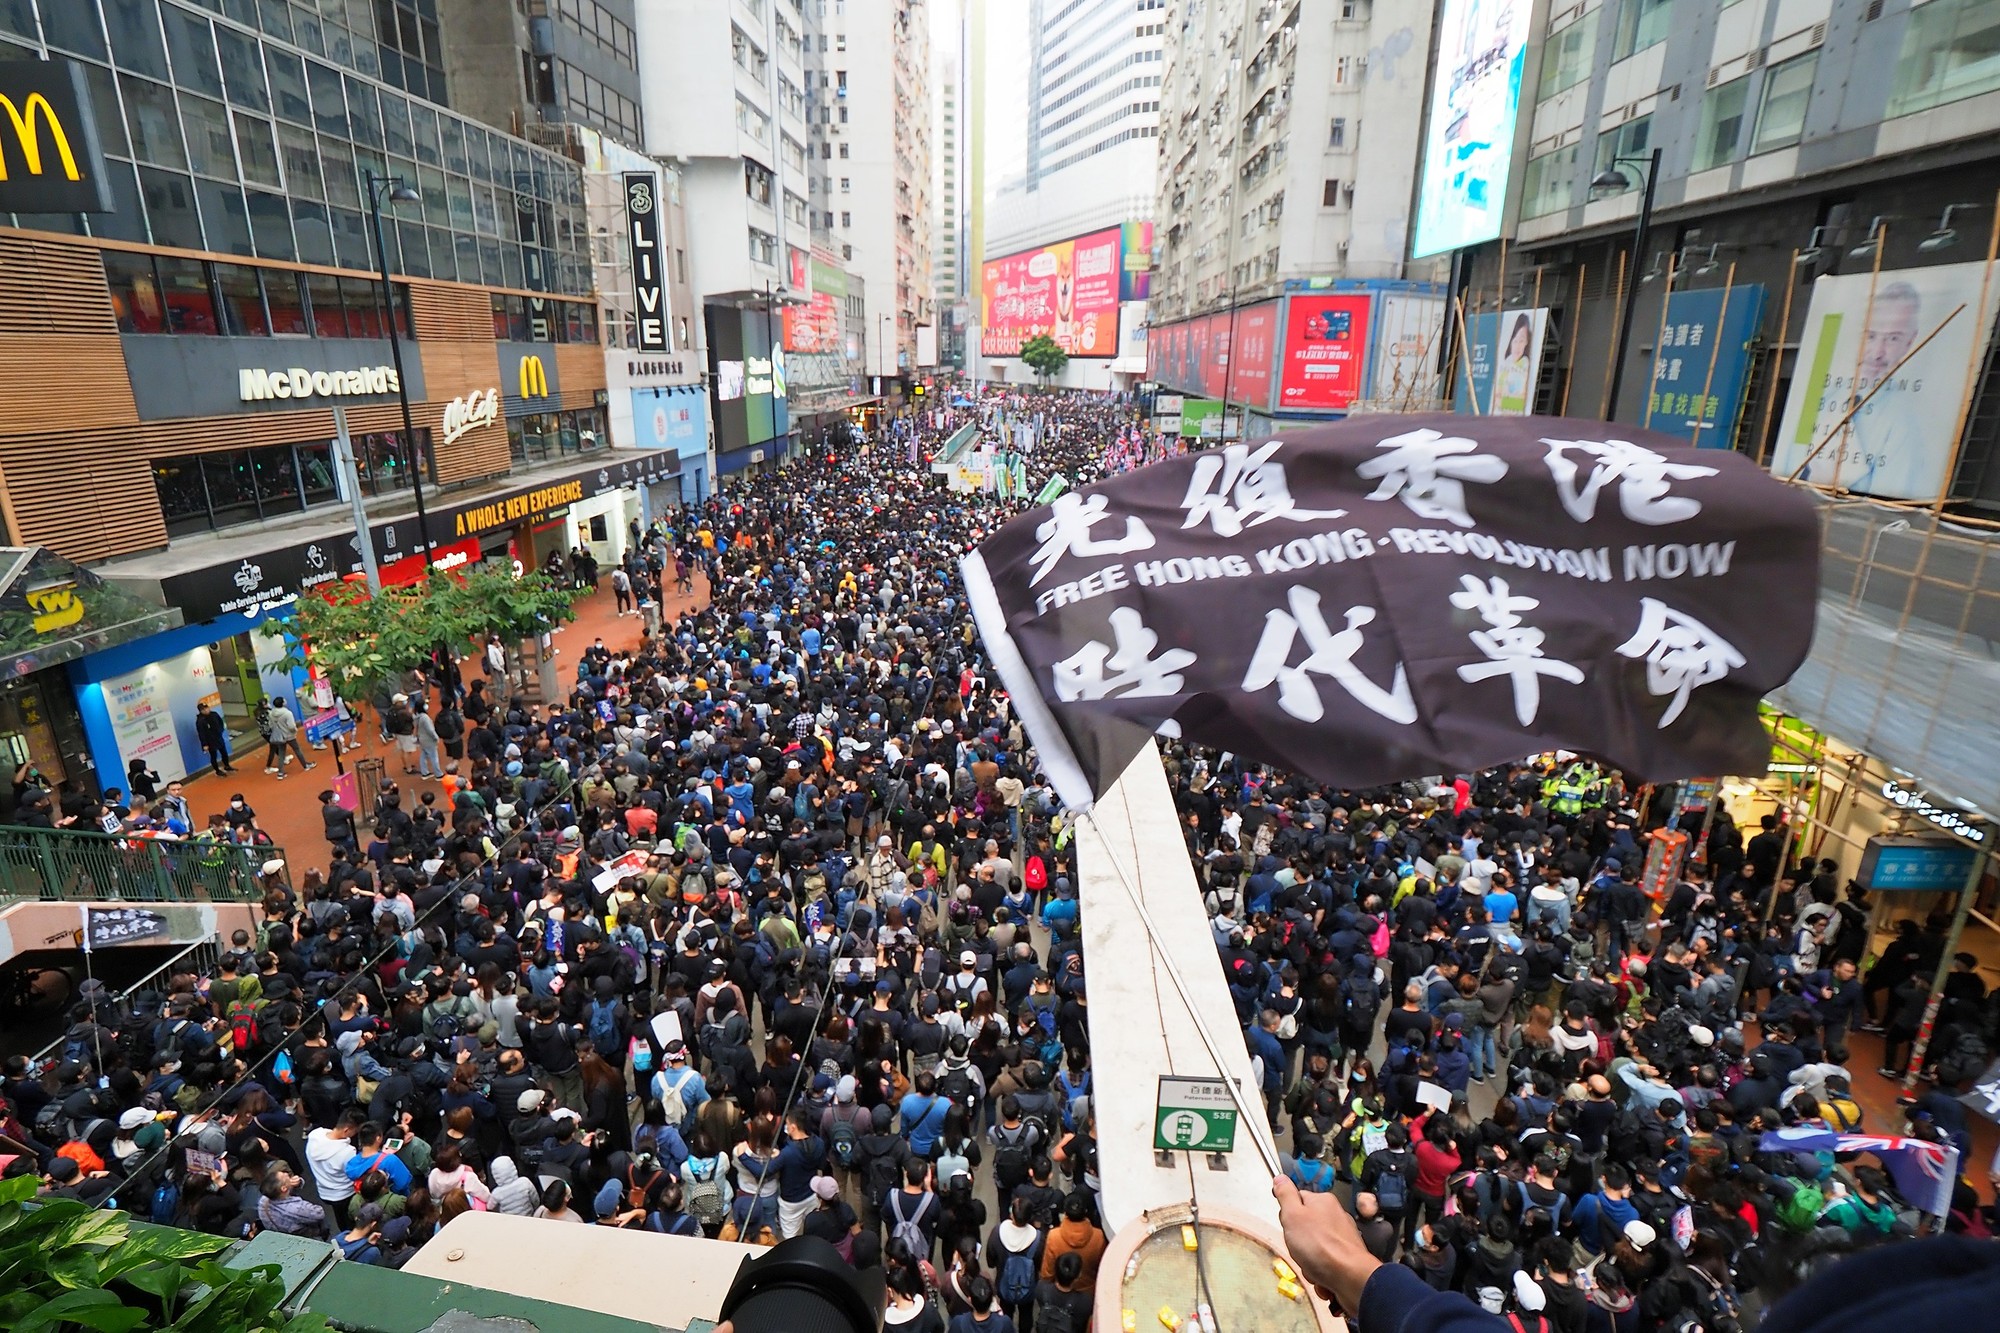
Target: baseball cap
844 1090
136 1118
968 959
1492 1300
1527 1294
826 1187
531 1100
1640 1234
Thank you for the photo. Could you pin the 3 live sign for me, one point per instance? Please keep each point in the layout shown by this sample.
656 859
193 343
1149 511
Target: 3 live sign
50 159
1919 864
1194 1115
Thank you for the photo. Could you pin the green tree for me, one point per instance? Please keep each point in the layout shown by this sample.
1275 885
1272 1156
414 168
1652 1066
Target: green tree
361 641
1043 355
66 1265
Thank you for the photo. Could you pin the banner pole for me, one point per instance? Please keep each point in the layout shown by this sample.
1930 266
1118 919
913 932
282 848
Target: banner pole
1659 337
1465 354
1881 238
1714 350
1575 323
1604 409
1777 355
1500 314
1971 365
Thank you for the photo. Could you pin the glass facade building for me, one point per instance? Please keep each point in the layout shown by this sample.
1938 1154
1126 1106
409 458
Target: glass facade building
247 127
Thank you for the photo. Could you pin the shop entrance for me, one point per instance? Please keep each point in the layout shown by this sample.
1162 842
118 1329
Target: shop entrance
241 686
27 730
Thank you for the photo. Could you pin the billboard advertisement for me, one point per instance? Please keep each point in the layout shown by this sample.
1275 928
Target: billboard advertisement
1253 353
1325 350
1899 445
1469 131
1701 363
1215 360
817 326
749 379
1512 340
1409 334
1135 272
1068 290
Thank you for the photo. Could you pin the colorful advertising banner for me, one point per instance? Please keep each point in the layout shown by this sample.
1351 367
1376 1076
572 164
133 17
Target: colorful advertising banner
1201 418
1702 362
1068 290
1469 133
1325 355
1215 365
1512 339
817 326
1898 445
1135 280
1409 334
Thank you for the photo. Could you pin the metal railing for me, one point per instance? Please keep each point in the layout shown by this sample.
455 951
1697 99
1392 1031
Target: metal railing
200 958
59 865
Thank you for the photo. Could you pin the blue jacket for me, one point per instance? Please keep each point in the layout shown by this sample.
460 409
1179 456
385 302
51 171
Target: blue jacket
1265 1046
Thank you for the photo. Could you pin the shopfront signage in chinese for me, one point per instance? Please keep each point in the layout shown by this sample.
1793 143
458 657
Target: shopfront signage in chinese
50 161
469 412
1946 818
1916 864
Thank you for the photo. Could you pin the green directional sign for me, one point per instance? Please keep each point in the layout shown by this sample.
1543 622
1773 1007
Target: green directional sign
1194 1115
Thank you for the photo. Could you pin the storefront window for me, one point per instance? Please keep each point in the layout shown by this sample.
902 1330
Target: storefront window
510 318
183 500
364 307
383 463
316 474
542 436
203 491
135 292
242 301
185 291
232 487
328 321
281 296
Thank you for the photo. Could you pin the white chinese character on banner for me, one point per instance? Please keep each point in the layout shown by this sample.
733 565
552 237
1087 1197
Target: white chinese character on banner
1331 655
1680 652
1067 532
1240 489
1642 477
1127 671
1428 471
1513 647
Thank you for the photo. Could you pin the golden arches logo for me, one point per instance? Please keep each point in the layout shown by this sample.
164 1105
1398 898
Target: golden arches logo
24 119
534 378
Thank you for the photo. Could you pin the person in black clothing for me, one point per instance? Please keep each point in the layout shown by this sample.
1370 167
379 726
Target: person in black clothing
213 734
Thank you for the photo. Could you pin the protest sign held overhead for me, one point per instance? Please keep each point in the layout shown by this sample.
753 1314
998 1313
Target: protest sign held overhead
1388 597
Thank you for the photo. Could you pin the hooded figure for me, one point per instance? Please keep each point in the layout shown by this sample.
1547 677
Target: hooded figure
511 1194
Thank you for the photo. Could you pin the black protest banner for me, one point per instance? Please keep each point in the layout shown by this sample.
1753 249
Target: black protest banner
106 926
1394 596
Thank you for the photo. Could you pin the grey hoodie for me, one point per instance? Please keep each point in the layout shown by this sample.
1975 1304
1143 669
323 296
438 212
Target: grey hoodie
511 1194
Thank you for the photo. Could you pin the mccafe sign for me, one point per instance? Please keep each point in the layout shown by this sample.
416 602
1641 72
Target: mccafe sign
469 412
259 385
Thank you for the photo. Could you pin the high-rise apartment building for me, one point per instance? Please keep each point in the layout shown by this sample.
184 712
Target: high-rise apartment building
871 148
1288 143
950 31
545 62
1093 116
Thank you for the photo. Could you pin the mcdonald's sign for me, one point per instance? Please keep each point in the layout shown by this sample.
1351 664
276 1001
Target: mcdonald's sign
50 160
534 377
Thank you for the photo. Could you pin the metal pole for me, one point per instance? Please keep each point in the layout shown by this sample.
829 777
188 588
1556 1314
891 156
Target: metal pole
396 356
1923 1041
1639 234
350 478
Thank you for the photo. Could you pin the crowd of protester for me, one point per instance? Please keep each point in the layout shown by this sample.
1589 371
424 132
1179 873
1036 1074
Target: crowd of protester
769 928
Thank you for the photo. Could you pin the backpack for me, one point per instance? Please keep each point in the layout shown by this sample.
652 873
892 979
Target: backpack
1071 1094
671 1100
879 1171
843 1144
604 1025
1801 1211
1844 1112
1362 1000
1392 1192
1010 1156
956 1086
703 1193
1017 1276
1554 1210
242 1015
906 1229
951 1164
166 1203
1314 1181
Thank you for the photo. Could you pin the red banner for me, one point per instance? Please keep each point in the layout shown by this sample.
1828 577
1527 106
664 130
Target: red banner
411 567
1215 367
814 326
1256 346
1326 346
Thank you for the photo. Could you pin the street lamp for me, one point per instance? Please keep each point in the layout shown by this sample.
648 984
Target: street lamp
398 191
1613 178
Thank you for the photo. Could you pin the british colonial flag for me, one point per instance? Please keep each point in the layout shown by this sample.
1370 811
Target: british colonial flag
1924 1172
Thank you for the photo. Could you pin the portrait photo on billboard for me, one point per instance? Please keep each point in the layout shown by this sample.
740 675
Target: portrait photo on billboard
1503 362
1901 441
1067 290
1469 133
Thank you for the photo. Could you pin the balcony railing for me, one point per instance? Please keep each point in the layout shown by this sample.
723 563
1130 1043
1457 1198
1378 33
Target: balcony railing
59 865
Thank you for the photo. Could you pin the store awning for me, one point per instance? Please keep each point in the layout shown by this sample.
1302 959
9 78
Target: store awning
53 610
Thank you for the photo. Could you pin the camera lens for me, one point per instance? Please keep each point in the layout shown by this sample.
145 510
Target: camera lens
802 1285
